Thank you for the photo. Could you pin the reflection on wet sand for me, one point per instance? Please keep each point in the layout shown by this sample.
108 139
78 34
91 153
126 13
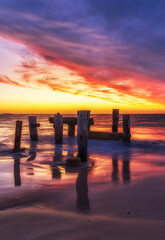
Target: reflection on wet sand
30 171
17 177
56 173
82 190
32 157
70 153
126 167
115 177
32 152
57 155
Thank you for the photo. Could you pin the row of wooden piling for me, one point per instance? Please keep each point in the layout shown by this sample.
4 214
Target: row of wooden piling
84 122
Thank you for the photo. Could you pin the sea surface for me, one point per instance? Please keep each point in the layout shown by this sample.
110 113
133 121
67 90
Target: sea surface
113 163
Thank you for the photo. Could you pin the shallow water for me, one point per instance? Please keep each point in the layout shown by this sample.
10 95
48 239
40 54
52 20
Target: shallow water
115 163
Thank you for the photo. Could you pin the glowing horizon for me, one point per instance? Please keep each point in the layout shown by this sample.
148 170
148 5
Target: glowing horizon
64 63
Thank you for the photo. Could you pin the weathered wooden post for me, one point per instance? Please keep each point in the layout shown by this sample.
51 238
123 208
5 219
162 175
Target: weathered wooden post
126 128
115 120
89 127
71 130
33 128
82 133
58 126
17 141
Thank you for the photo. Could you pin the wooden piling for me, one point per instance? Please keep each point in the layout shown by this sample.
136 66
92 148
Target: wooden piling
71 130
126 128
82 133
33 128
58 126
105 135
17 141
115 120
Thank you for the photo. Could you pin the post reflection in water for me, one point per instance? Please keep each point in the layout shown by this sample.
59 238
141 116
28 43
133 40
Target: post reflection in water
115 177
70 153
30 171
32 152
126 167
56 173
57 155
32 156
17 177
82 190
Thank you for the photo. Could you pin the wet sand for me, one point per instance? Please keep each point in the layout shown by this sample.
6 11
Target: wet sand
122 205
33 223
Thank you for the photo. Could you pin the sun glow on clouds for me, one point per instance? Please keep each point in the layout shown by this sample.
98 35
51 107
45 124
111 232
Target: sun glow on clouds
82 54
31 84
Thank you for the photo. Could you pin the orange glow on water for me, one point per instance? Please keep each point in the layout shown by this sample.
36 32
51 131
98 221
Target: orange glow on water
149 133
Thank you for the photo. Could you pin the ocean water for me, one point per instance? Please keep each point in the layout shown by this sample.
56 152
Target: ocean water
145 129
110 162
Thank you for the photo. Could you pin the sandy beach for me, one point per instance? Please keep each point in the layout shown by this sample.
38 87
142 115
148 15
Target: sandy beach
123 212
118 194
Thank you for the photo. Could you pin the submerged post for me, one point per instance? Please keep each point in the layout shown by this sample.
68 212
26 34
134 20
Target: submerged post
58 126
82 133
126 128
115 120
33 128
17 141
71 130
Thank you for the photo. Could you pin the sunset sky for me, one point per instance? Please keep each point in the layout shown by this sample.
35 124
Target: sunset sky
67 55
